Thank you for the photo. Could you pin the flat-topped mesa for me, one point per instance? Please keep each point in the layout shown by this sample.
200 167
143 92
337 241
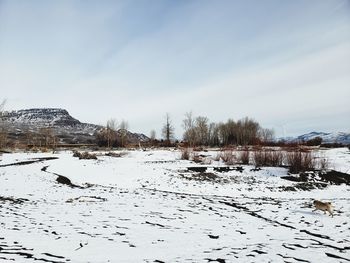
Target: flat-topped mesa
66 128
47 116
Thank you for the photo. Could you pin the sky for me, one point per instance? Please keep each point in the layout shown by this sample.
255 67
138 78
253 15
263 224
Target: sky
285 64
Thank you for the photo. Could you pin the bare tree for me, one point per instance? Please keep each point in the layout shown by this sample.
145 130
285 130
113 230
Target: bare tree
266 135
202 130
111 132
48 137
168 129
152 135
123 129
2 106
29 137
213 134
188 124
3 130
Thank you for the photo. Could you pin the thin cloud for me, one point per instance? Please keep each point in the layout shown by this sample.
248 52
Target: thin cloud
283 63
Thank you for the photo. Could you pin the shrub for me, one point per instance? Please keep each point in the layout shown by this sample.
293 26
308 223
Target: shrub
185 153
276 158
268 158
84 155
228 157
299 161
44 149
258 158
244 157
314 142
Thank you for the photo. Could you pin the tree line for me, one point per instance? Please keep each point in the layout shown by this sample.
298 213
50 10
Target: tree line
199 131
246 131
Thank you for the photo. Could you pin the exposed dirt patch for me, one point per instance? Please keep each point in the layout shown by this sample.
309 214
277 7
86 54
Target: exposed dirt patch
305 186
85 155
15 249
202 176
86 199
116 155
229 168
316 179
64 180
335 177
200 169
36 160
13 200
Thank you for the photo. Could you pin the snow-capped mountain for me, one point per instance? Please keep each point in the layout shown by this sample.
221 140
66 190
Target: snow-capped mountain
327 137
65 127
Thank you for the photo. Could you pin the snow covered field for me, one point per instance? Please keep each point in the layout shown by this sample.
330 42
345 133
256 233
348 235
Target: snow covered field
150 206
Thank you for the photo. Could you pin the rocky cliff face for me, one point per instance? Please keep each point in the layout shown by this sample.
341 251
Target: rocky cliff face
41 117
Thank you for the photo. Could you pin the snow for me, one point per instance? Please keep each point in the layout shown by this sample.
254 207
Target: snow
146 206
327 137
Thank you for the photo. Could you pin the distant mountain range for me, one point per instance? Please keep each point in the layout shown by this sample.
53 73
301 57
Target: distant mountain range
327 137
70 130
66 128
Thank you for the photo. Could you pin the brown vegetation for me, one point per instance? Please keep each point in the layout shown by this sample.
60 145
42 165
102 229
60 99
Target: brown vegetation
268 157
246 131
84 155
228 157
185 153
244 156
300 161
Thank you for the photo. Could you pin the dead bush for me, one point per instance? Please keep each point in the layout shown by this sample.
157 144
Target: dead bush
228 157
185 153
84 155
268 158
299 161
44 149
196 157
244 157
259 158
276 158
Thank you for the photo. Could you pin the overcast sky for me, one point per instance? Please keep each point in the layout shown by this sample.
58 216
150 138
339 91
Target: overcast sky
284 63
